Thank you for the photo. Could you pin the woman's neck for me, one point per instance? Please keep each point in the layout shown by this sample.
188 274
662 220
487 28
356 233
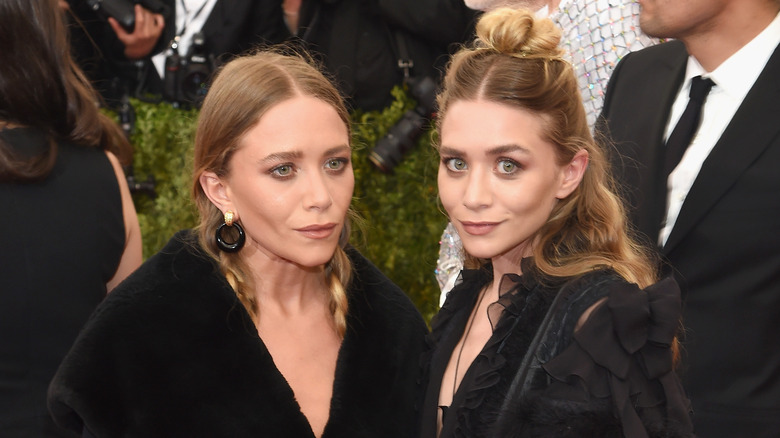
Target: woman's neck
510 262
285 286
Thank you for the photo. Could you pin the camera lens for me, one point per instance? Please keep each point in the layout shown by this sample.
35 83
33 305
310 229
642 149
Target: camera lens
194 86
390 149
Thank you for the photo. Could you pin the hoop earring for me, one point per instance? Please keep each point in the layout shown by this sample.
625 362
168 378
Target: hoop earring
221 243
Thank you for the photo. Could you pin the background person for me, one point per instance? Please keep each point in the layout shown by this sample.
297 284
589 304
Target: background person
362 41
553 334
134 62
262 322
68 228
712 214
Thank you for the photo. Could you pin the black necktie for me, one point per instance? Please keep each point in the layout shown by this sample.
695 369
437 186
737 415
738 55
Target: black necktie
686 127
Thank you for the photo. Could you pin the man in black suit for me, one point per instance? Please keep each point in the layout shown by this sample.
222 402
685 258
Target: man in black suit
716 216
133 62
370 46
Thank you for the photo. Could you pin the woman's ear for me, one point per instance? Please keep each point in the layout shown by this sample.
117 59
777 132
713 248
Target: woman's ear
216 190
573 173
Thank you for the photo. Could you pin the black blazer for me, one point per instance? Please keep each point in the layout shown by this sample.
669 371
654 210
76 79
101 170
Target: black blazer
234 26
725 245
356 40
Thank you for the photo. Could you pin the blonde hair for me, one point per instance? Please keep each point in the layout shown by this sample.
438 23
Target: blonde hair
516 61
242 91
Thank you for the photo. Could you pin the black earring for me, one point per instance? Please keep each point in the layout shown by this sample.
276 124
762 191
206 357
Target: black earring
230 247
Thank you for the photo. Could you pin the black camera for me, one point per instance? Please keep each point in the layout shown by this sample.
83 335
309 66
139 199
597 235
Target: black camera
186 77
123 10
402 136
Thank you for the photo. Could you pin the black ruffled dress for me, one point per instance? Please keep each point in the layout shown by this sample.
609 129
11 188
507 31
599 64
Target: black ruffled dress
535 377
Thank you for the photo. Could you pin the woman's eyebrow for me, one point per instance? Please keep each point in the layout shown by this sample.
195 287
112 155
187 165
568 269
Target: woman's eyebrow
498 150
503 149
445 150
338 150
282 156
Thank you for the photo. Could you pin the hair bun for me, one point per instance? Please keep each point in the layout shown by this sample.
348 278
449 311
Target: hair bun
516 32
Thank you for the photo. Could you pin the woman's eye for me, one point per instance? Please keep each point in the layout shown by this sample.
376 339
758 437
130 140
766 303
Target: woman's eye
455 164
283 170
336 163
507 166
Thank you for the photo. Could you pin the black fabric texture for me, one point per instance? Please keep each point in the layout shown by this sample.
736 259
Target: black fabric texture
356 40
723 248
537 377
172 353
61 242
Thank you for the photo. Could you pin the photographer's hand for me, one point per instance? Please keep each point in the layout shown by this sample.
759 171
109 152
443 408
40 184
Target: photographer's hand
148 29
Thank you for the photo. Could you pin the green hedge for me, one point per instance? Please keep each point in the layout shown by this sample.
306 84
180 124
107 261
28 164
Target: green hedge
403 222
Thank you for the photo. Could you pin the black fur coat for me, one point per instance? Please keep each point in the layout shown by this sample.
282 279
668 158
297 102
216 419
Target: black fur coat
172 353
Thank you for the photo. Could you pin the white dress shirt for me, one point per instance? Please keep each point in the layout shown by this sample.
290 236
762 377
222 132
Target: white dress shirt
191 15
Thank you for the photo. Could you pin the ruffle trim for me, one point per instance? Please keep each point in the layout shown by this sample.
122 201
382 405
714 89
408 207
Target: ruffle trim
621 357
516 294
623 351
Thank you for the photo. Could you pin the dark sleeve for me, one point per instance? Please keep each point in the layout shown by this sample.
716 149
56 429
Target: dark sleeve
441 22
266 25
236 26
601 121
623 354
92 38
112 378
78 395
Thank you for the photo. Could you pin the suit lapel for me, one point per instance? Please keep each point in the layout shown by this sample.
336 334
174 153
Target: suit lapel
227 14
169 31
755 124
668 84
651 102
216 18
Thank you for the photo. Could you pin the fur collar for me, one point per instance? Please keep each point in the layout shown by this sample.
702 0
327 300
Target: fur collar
171 352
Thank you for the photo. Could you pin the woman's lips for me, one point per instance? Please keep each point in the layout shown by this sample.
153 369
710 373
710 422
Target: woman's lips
478 228
317 231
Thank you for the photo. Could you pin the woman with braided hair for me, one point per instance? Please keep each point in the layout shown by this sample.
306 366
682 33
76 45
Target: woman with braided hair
560 326
263 321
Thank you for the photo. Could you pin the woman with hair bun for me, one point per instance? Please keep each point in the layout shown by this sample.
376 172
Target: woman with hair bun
560 326
262 322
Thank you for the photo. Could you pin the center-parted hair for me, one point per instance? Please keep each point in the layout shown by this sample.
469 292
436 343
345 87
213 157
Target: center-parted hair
241 93
516 61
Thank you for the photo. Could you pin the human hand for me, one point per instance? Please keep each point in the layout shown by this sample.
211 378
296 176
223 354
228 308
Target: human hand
148 29
291 9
